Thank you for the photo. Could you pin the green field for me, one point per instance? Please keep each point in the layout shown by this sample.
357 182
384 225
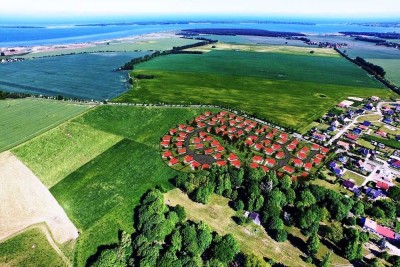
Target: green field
292 90
23 119
29 248
76 145
100 195
156 44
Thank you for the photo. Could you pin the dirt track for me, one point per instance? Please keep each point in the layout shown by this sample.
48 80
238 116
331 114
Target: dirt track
24 201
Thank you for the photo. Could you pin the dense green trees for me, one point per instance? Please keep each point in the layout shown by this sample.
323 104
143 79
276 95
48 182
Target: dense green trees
313 244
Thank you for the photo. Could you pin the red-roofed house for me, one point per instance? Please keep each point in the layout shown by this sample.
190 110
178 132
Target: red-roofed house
194 165
302 155
258 159
266 142
208 151
196 140
269 136
297 162
308 166
316 161
181 151
282 141
276 147
269 151
254 165
205 167
215 143
189 129
381 133
182 134
220 149
382 185
315 147
284 135
259 147
221 163
386 232
218 156
208 139
203 135
180 139
179 144
173 131
167 154
265 169
181 127
288 169
248 143
173 161
280 155
304 149
233 157
320 156
199 146
188 159
270 162
164 144
236 164
291 147
207 113
352 137
201 124
324 150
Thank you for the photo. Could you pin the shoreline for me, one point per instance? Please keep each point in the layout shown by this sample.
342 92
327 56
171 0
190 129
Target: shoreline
15 51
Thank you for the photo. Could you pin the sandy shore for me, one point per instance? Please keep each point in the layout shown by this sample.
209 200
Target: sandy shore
20 50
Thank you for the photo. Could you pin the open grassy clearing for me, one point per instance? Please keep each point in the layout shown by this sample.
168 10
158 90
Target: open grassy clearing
291 90
371 118
100 195
76 145
30 248
292 50
252 238
22 119
354 176
128 46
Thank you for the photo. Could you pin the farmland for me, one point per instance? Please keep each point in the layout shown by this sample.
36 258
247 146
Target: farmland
29 248
23 119
289 89
99 195
77 144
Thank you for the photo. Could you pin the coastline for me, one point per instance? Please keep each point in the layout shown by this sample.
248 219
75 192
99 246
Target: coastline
31 51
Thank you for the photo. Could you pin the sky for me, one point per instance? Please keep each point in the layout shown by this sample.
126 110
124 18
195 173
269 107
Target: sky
297 8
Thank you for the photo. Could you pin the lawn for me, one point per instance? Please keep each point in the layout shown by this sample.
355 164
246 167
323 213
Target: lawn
22 119
389 142
75 145
100 195
29 248
354 176
271 85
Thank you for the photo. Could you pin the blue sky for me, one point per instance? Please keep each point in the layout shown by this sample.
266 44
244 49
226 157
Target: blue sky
297 8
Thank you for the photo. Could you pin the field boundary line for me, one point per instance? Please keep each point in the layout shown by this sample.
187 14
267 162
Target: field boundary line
44 228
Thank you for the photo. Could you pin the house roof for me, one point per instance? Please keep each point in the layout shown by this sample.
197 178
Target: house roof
257 158
348 184
232 157
236 163
308 166
382 185
297 162
194 164
167 154
254 165
221 163
315 147
301 155
205 166
188 158
269 151
352 136
367 123
288 169
386 232
270 162
280 155
173 161
255 217
276 146
182 150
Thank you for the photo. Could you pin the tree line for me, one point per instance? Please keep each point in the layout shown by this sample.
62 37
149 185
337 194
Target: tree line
175 50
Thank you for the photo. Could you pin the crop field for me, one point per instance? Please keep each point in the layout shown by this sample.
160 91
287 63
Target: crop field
70 76
76 145
29 249
291 90
100 195
22 119
127 46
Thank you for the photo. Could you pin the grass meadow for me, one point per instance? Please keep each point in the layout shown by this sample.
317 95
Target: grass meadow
29 249
291 90
100 194
76 145
23 119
